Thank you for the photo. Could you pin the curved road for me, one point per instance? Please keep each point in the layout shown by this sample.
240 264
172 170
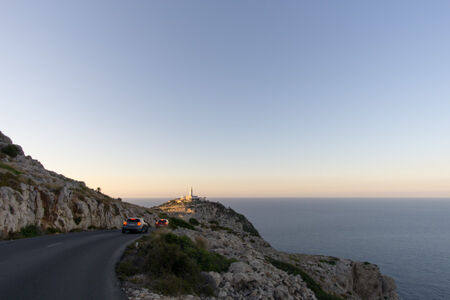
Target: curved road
66 266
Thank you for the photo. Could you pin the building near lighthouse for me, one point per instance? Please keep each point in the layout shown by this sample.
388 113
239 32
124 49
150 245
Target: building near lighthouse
191 196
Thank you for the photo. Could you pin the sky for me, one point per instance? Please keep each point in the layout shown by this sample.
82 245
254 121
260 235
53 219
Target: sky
235 98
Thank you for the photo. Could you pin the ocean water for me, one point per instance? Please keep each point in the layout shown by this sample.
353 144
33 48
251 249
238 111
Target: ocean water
409 239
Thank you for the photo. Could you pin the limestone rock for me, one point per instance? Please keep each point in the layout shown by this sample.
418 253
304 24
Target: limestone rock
43 198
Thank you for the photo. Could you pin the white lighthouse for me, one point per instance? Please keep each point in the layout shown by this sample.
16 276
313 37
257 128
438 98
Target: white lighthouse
191 196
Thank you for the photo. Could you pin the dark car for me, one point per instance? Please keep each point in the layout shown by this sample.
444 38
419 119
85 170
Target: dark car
162 223
135 225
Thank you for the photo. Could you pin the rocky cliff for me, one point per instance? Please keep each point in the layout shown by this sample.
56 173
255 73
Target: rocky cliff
30 195
260 271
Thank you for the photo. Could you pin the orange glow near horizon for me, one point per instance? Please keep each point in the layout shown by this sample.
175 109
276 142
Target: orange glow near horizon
273 188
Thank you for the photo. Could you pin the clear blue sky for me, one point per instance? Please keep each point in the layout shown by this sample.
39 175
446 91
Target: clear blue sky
237 98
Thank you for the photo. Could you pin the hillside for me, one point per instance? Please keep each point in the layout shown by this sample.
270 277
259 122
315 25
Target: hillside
255 270
35 199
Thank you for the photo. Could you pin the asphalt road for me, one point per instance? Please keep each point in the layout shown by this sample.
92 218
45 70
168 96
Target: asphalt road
68 266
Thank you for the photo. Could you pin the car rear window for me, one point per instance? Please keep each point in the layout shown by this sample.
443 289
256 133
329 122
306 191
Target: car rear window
133 220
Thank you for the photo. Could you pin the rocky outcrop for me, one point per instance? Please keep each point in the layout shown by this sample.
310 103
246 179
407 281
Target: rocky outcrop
32 195
4 140
254 275
207 212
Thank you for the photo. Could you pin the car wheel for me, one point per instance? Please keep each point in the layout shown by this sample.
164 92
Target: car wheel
146 229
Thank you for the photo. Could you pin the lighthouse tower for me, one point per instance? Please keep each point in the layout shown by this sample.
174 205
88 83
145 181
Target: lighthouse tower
191 195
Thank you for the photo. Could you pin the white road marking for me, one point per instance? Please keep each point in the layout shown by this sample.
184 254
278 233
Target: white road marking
53 245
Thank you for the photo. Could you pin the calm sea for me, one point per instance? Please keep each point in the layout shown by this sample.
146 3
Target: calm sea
409 239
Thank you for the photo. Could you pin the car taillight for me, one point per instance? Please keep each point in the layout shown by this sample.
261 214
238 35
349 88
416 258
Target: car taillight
125 223
139 223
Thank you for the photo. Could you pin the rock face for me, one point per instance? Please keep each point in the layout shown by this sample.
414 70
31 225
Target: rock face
32 195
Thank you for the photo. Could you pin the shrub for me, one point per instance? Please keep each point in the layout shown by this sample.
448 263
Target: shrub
172 264
52 230
127 268
312 285
77 220
30 231
11 150
175 223
25 232
332 261
194 221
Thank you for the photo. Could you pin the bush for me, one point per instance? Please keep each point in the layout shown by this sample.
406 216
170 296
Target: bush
77 220
52 230
174 223
194 221
25 232
30 231
11 150
332 261
312 285
172 264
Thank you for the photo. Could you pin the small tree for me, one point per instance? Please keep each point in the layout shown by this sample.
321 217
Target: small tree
99 190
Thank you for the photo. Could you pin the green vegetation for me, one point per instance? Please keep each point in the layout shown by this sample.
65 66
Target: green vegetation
25 232
218 227
194 221
312 285
332 261
174 223
294 258
52 230
172 264
11 150
9 168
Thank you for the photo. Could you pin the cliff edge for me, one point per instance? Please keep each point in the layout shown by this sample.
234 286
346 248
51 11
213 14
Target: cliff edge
230 257
256 270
